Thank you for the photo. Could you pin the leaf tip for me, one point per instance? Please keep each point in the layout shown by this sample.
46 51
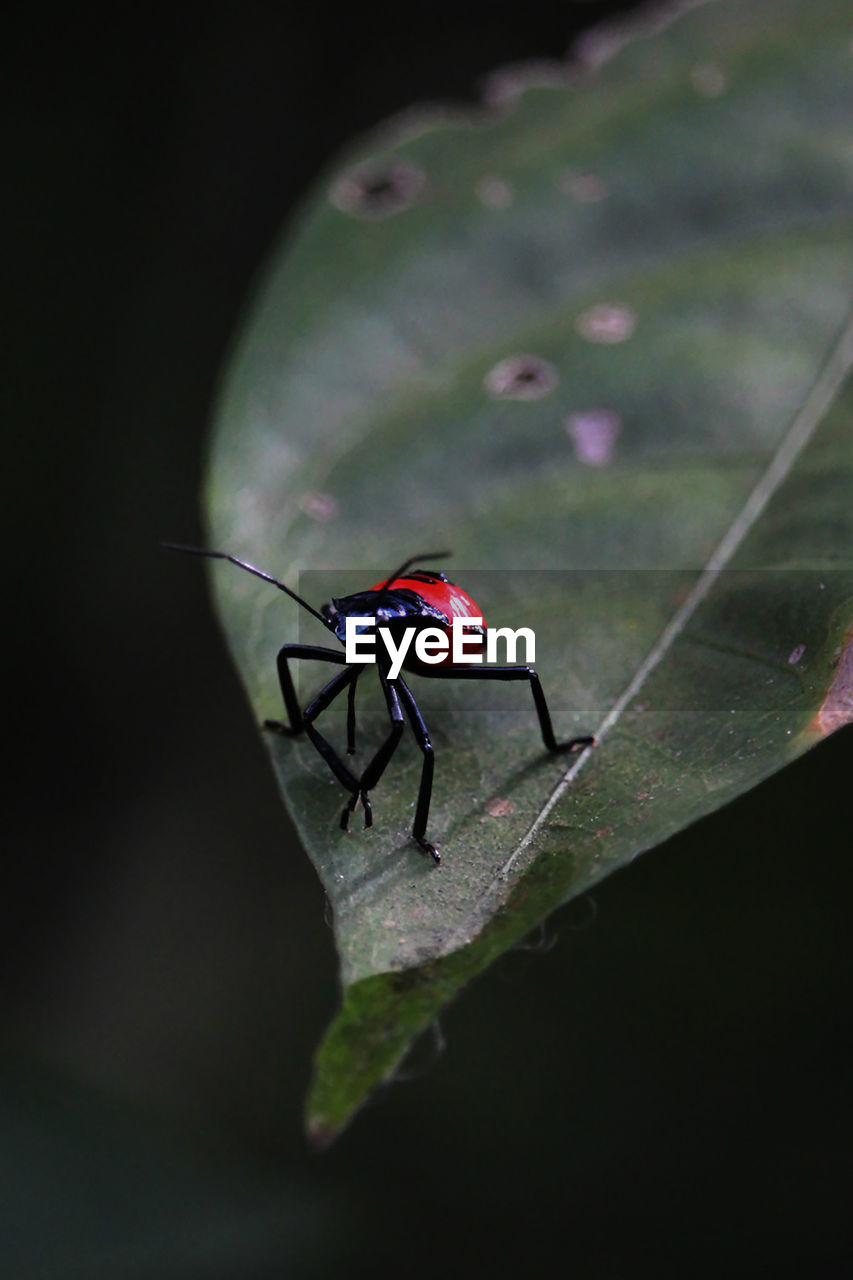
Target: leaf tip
320 1134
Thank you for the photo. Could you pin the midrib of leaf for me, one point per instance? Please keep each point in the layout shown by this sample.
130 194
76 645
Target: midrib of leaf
801 430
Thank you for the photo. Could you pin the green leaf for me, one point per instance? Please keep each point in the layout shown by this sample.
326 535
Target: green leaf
663 481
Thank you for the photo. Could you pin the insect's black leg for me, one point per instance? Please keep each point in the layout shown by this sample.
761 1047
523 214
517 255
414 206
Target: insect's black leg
425 790
294 723
516 673
570 744
351 717
315 707
378 764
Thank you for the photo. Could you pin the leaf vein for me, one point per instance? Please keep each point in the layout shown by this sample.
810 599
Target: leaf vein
802 428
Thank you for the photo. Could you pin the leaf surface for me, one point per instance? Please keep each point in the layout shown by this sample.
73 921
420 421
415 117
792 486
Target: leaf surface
660 485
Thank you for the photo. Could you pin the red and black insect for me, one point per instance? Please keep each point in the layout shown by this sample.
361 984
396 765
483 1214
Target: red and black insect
408 599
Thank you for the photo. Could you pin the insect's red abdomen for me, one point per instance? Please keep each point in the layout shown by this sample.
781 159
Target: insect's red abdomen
446 596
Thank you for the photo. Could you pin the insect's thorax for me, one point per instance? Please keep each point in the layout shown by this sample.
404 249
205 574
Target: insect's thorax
410 602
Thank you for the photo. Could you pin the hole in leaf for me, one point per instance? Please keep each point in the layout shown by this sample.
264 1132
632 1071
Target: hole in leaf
378 188
521 377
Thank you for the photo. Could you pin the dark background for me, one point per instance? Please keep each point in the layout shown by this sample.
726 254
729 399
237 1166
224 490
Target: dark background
666 1088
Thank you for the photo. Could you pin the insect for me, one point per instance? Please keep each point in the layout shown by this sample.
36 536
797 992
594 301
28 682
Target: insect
409 598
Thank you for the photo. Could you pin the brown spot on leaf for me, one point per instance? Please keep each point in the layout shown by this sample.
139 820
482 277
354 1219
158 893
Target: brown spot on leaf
504 87
837 707
499 808
593 434
602 832
494 192
708 79
607 322
319 506
586 188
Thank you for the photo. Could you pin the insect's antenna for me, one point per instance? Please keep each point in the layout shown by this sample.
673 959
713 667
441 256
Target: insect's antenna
407 564
250 568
